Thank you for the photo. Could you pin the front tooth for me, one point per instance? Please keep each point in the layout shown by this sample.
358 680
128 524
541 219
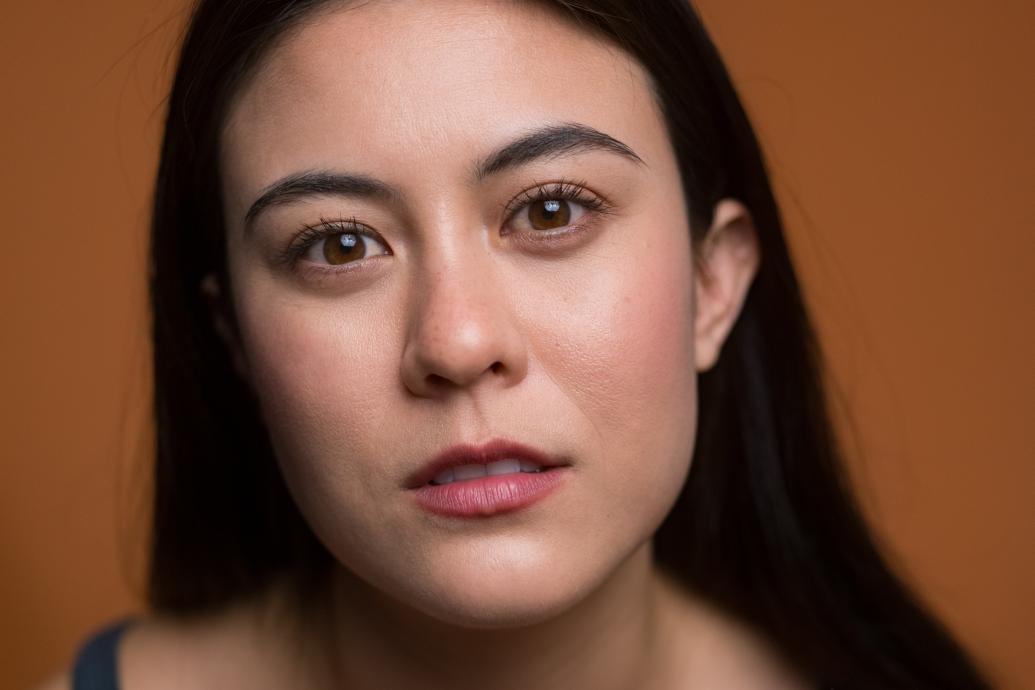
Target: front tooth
529 466
468 472
503 467
444 477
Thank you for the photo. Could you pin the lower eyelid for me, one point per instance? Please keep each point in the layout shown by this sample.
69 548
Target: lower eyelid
545 238
317 273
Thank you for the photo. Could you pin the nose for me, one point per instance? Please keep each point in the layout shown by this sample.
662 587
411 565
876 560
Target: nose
462 330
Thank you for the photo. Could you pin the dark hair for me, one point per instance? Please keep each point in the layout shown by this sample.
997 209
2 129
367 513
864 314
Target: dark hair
765 526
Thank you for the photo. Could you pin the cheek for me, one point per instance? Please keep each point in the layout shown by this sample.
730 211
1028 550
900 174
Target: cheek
321 373
630 369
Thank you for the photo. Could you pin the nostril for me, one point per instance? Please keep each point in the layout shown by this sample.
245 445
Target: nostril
436 380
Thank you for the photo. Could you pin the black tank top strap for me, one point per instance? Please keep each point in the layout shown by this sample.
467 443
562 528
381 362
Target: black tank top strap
96 665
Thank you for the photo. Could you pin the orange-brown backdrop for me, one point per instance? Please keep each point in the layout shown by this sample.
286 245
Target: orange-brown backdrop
901 139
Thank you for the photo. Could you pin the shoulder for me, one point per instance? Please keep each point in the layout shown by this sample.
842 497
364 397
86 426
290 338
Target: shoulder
145 655
162 652
717 650
158 652
94 662
245 645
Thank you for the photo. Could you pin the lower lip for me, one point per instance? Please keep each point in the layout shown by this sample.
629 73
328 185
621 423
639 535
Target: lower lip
489 495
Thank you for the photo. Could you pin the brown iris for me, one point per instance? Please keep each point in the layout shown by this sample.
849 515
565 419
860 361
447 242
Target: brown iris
343 248
549 213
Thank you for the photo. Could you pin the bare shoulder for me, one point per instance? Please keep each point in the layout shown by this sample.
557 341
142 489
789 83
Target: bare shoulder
162 652
230 647
58 682
240 646
717 650
159 652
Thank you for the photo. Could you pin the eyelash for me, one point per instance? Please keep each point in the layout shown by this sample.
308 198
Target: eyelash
562 190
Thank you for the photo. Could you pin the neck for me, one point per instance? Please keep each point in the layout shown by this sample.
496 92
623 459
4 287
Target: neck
607 640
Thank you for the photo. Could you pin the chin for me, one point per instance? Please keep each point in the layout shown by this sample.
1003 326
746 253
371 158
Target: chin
485 585
508 588
494 608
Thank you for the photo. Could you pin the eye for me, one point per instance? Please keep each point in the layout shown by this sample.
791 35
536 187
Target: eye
553 208
549 214
335 244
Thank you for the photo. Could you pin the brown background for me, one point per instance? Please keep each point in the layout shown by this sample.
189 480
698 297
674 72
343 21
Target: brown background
900 135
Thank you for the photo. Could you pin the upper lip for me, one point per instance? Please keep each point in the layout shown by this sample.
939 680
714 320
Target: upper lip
470 454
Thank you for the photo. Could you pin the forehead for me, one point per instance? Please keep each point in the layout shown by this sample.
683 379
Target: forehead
413 85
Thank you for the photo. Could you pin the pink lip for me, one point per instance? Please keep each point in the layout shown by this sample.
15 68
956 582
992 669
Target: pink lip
487 495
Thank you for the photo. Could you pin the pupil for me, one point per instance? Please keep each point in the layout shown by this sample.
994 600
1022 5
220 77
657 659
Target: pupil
346 248
552 213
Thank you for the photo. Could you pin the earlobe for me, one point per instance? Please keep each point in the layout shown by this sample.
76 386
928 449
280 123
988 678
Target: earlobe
221 322
728 261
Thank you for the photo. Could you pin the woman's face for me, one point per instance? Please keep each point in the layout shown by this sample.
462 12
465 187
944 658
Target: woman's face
407 290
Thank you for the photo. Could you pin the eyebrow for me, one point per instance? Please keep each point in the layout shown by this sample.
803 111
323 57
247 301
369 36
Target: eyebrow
318 183
551 141
545 142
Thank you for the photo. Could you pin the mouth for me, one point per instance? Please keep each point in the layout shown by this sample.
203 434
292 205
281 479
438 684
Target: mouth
464 473
467 462
474 482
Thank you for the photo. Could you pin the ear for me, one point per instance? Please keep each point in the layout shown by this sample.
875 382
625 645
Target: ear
728 261
222 322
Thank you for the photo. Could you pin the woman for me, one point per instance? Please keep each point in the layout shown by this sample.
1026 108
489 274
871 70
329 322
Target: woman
480 362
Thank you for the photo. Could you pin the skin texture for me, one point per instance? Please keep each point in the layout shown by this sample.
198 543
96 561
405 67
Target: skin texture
583 349
461 327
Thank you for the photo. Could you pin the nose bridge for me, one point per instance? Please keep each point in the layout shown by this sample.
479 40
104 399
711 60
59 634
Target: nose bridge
461 326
